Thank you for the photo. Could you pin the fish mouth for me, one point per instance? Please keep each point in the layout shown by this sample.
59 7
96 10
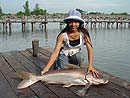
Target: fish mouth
106 81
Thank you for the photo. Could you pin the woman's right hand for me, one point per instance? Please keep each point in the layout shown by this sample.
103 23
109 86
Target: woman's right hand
43 71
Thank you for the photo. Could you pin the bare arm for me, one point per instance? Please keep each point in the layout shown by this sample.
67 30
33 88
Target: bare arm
89 50
54 54
90 56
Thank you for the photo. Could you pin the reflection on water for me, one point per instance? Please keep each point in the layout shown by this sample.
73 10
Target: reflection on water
110 46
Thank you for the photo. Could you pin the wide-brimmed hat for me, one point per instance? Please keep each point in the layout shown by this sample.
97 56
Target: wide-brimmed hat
74 15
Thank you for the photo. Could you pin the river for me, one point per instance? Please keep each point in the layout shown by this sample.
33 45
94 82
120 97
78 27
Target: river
110 46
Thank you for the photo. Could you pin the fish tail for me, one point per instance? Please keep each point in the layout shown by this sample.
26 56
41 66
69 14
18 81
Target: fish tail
28 79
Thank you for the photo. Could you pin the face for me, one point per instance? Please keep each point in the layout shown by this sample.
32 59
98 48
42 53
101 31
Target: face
73 25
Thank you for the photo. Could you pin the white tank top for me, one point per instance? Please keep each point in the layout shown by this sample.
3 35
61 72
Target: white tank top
69 50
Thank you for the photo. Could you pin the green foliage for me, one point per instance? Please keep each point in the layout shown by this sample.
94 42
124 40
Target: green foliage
38 11
20 13
81 11
94 13
1 11
26 8
124 13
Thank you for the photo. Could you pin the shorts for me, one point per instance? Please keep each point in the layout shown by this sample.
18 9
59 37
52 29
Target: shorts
76 59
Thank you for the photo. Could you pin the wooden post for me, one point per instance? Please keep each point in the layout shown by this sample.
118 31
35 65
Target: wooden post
129 25
45 19
117 25
32 26
9 27
108 25
35 47
3 26
23 26
91 25
45 16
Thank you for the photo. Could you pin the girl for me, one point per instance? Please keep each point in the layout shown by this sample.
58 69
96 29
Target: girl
68 45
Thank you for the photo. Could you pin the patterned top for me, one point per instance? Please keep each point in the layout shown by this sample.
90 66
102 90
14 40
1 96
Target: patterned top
69 47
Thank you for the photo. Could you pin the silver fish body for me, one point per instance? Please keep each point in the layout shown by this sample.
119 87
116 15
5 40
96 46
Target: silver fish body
68 77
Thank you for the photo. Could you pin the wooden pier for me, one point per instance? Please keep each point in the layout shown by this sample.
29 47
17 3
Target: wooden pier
92 21
14 61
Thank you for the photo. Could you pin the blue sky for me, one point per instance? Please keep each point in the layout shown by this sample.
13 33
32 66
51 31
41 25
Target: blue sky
53 6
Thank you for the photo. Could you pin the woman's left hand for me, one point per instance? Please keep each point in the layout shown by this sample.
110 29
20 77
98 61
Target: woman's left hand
92 70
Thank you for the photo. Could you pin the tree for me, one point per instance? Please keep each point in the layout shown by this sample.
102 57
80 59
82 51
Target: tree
38 11
1 10
81 11
37 6
26 8
124 13
1 13
20 13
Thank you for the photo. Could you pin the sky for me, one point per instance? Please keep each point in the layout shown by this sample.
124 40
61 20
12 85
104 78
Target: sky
63 6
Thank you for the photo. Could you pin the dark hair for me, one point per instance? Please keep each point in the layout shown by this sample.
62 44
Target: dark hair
80 28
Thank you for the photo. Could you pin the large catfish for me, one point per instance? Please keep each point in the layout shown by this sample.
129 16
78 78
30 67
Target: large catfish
70 76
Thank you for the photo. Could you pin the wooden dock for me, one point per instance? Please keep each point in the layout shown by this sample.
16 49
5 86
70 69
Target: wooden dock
11 62
96 21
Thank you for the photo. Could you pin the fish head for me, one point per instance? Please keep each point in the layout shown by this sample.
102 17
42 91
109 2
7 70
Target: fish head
96 80
100 81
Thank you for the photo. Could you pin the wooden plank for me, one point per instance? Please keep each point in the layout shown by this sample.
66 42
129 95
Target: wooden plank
115 82
13 81
43 56
46 54
57 89
97 92
5 89
25 61
90 93
117 85
36 60
38 89
107 91
107 75
46 51
75 89
121 91
47 58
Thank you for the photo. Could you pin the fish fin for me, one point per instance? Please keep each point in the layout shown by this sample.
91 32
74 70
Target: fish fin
26 83
67 85
28 79
70 66
23 75
83 91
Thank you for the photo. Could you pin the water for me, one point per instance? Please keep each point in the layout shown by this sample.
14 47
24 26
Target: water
110 46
